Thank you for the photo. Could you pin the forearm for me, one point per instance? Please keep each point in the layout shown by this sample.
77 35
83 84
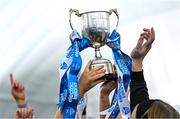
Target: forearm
104 103
21 102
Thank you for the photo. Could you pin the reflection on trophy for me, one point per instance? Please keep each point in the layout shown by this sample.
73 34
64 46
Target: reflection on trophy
96 27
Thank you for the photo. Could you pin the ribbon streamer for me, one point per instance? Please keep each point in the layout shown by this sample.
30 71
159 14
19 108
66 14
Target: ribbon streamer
69 70
123 62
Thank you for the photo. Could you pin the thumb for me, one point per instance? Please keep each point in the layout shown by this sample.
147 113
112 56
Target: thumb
11 78
30 112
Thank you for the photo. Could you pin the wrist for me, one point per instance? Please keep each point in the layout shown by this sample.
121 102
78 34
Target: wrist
21 101
136 65
81 92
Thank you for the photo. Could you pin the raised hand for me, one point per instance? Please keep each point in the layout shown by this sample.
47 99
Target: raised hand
24 113
90 78
143 47
17 90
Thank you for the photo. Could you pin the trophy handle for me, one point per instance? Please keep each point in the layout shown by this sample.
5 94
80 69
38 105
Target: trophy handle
76 13
116 13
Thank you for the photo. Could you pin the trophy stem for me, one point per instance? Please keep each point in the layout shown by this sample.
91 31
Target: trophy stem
97 53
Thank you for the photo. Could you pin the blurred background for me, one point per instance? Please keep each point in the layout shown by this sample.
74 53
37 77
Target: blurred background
34 35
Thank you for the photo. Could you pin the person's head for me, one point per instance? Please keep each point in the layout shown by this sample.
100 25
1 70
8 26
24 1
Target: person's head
154 109
160 109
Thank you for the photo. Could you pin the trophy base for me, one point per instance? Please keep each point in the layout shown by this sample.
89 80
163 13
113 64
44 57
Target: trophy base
110 72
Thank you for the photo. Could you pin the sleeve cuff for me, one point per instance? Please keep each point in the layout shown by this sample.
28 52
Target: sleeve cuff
137 77
22 105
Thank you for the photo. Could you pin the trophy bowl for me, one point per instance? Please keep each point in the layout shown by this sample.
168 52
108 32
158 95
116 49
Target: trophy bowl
96 27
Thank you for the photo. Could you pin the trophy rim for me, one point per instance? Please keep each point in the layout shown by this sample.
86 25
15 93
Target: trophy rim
93 12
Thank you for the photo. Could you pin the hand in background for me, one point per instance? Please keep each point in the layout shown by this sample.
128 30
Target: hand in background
142 48
17 90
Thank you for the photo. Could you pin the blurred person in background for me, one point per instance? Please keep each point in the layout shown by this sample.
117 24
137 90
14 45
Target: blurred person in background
18 93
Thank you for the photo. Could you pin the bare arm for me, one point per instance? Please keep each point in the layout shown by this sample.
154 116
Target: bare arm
106 88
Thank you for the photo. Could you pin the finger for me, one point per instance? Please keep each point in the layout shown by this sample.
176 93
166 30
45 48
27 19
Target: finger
146 37
17 84
98 76
17 113
149 42
147 30
21 86
152 31
97 71
30 112
145 34
26 110
98 68
153 34
23 113
11 78
20 113
87 68
140 42
97 82
101 71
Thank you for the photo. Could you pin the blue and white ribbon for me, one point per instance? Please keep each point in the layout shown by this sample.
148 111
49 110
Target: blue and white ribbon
69 70
123 62
81 106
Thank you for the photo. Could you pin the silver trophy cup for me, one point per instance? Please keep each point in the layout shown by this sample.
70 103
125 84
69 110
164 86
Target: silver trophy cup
96 27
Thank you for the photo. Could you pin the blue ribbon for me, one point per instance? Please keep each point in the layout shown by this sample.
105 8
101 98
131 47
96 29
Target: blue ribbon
71 65
124 64
69 69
